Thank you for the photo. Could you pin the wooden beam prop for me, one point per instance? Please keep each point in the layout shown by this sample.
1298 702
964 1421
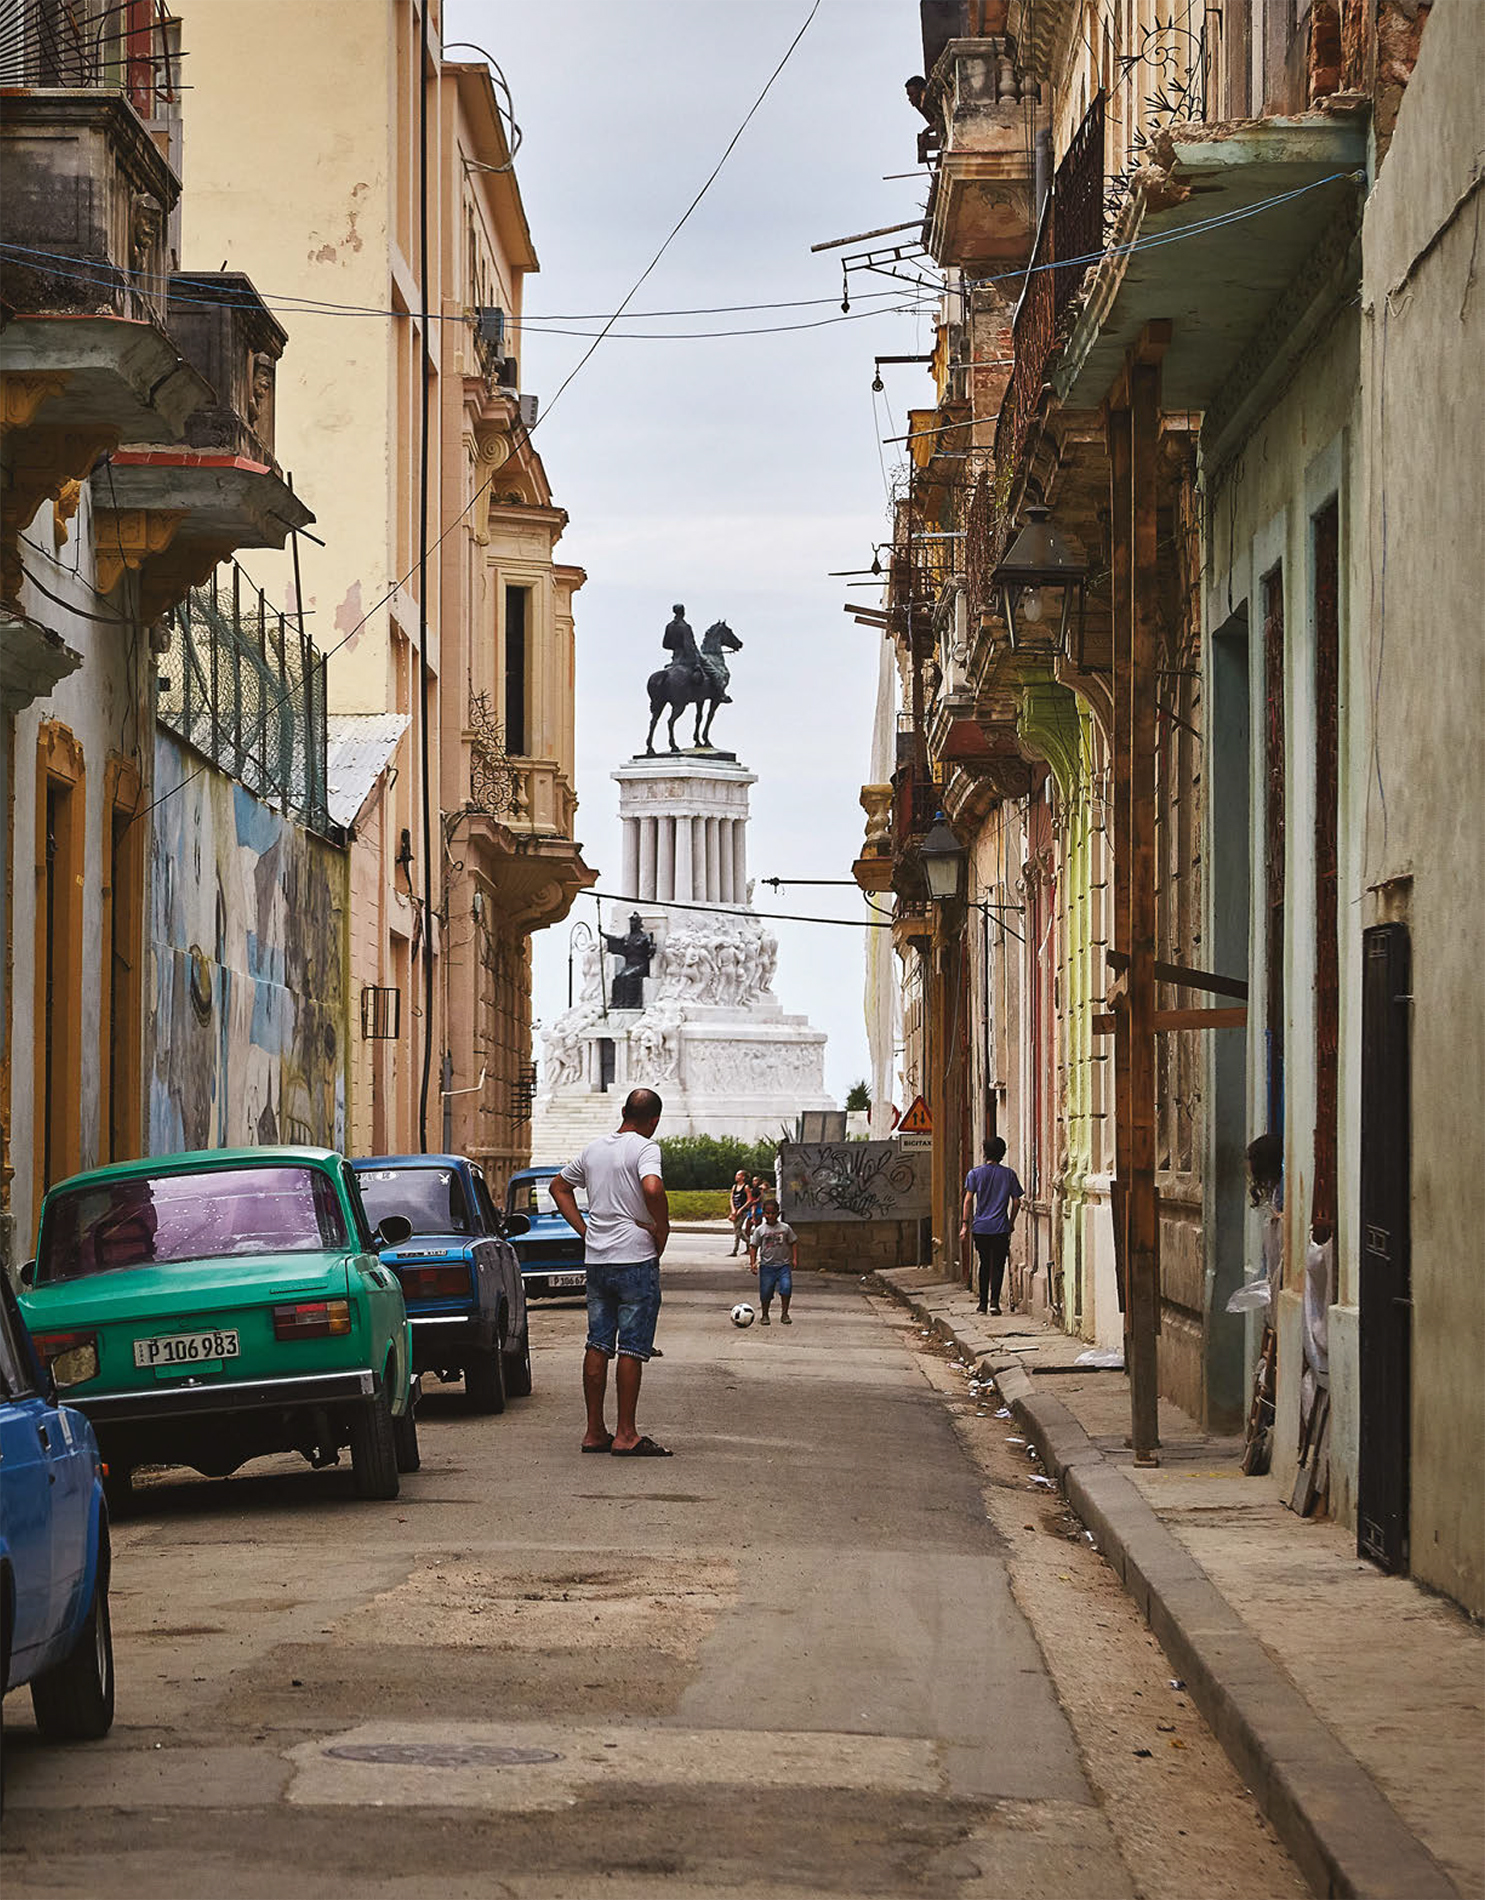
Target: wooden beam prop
1187 979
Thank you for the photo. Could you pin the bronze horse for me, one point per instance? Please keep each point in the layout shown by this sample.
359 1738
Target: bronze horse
696 679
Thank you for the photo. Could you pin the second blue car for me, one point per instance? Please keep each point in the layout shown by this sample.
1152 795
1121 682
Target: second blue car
460 1278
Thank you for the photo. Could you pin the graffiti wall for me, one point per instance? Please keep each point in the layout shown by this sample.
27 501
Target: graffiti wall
247 938
852 1181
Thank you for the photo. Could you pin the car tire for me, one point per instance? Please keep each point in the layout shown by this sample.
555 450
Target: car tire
374 1448
405 1434
518 1368
73 1700
118 1488
484 1381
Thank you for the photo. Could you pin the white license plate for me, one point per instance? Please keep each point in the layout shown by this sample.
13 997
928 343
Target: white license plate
565 1280
185 1349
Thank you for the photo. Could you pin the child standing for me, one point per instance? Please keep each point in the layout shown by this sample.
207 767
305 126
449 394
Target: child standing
773 1249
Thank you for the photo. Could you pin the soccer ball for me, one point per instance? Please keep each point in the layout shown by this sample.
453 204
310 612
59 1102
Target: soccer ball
742 1314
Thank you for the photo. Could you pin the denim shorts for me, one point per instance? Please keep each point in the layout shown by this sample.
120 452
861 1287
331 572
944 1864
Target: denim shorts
623 1306
775 1279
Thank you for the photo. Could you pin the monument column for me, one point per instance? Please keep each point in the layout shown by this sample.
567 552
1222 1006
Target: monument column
631 857
739 862
646 859
724 860
713 878
664 859
684 860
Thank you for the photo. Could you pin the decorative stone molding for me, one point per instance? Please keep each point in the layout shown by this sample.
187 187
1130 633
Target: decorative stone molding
23 392
125 538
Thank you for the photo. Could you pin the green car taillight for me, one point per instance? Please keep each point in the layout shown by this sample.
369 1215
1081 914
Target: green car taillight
315 1319
434 1283
71 1358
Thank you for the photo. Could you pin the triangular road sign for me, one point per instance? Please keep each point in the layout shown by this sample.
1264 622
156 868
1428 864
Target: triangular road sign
917 1121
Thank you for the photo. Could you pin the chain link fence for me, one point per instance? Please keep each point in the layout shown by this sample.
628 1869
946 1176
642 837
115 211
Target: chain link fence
245 687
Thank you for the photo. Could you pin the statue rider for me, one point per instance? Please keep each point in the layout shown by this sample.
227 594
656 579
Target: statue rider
637 949
680 641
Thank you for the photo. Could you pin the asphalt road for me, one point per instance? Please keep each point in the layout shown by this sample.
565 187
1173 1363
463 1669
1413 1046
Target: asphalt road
841 1643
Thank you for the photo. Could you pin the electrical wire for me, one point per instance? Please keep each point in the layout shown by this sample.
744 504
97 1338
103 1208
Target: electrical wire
680 222
734 910
107 276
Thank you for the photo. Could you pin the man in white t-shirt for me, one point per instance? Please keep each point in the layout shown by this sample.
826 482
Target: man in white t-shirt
624 1228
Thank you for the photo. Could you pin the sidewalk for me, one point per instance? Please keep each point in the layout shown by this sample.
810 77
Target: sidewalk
1350 1702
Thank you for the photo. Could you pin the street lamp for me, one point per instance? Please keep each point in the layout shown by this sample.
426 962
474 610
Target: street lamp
1040 584
942 857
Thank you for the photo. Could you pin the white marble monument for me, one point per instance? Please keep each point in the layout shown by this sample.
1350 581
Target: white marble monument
703 1026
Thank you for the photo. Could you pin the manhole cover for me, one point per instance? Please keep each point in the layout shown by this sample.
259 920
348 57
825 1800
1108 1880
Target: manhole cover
441 1754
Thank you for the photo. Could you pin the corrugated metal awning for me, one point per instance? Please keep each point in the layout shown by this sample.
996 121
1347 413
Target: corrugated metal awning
358 750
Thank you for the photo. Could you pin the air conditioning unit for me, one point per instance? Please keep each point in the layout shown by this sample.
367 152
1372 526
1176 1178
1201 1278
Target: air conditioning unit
510 373
528 411
489 328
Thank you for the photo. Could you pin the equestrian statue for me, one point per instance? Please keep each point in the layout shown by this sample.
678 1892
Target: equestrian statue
694 677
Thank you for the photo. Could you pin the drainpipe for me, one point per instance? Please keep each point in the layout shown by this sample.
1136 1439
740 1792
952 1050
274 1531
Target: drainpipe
423 671
1042 175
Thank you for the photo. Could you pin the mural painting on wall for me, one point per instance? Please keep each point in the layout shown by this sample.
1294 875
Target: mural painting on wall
852 1180
249 968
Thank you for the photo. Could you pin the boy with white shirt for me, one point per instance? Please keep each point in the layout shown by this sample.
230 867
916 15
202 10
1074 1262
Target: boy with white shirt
624 1228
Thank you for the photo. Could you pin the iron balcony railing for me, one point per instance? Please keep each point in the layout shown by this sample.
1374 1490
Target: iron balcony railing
86 45
244 686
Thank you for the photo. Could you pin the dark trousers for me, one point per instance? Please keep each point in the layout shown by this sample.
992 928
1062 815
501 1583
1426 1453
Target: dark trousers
993 1250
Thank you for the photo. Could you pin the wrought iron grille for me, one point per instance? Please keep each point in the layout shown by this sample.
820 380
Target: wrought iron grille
1033 337
1077 207
122 45
523 1093
245 687
381 1013
494 781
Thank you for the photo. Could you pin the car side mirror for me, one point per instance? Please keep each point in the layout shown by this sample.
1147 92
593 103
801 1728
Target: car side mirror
28 1273
514 1224
393 1230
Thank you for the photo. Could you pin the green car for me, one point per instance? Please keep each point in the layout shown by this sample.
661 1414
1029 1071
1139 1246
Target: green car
204 1309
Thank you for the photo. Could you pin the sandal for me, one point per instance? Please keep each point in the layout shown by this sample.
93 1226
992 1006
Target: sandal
605 1447
646 1448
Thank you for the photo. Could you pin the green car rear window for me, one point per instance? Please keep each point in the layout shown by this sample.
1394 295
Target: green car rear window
164 1219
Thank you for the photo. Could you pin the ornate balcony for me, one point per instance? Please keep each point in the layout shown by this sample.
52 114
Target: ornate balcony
86 360
981 214
222 486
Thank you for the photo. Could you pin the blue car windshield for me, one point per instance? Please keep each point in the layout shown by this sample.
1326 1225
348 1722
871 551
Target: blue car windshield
165 1219
433 1199
533 1197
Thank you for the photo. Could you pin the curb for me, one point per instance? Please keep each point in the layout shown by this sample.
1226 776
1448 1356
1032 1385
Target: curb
1344 1835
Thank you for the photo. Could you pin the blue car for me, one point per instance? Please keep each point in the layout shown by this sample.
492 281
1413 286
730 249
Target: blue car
54 1628
460 1279
550 1252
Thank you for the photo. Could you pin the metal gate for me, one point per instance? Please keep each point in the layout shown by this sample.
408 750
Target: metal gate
1386 1266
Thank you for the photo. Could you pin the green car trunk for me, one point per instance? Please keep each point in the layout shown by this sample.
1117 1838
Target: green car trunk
210 1361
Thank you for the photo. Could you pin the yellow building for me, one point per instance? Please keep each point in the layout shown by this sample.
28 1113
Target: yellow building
449 628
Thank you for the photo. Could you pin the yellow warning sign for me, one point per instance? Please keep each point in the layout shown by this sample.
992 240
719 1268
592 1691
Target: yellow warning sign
917 1121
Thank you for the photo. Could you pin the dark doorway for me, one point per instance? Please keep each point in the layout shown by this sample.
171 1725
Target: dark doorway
606 1062
517 603
1386 1238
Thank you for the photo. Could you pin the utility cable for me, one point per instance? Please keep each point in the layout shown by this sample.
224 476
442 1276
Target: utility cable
739 910
677 227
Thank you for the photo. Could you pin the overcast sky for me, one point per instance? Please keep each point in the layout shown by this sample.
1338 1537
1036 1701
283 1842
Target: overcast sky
730 474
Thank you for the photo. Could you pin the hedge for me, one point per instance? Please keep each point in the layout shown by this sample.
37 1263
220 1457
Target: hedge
711 1161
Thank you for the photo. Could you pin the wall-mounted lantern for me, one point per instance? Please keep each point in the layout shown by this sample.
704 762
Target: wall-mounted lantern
1041 586
942 857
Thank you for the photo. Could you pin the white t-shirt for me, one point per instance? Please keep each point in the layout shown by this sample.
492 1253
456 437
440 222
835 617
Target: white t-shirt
611 1169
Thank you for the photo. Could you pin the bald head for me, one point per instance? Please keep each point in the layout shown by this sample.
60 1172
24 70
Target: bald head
642 1110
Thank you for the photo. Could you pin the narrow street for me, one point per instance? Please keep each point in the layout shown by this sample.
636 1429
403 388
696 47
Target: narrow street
843 1643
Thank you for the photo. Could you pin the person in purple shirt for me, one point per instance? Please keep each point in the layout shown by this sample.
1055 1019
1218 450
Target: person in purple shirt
992 1200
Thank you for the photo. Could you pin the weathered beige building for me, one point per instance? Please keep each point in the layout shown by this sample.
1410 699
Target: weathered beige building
449 629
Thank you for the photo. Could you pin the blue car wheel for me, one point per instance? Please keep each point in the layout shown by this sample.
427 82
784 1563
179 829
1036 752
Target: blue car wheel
73 1700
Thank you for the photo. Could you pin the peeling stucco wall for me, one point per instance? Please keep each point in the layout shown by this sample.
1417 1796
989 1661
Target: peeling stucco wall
247 937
